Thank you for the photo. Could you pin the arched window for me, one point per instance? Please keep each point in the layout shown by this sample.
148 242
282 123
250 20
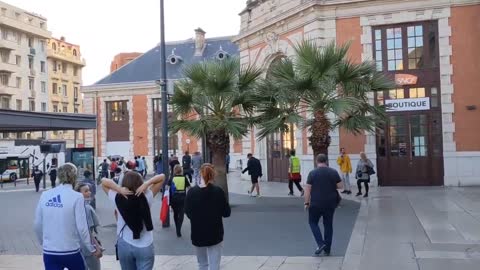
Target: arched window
74 52
54 46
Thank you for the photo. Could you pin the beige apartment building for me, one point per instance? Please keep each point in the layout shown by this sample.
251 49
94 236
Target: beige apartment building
65 65
23 63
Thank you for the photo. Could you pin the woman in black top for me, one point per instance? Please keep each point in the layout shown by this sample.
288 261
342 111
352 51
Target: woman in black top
205 206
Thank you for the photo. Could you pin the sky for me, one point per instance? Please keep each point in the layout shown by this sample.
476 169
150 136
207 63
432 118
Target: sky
104 28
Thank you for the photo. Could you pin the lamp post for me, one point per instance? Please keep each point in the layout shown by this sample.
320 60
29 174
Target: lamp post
163 89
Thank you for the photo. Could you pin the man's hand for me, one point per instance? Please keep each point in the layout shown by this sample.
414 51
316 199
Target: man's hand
306 205
98 253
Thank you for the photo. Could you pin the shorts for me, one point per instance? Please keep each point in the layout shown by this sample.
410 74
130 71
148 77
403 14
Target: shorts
254 179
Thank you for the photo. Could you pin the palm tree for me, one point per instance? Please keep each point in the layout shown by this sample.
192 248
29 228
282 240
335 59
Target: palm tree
313 86
215 101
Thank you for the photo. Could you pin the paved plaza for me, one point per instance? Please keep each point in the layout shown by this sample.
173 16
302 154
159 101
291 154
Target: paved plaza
397 228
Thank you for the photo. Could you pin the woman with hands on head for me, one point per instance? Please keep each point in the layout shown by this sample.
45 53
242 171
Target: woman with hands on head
133 201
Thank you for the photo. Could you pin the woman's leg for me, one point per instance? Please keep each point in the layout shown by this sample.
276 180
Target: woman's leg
366 188
202 258
215 256
144 257
346 179
176 218
359 185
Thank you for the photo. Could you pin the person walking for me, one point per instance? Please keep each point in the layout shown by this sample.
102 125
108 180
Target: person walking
345 165
294 175
61 224
206 205
141 166
133 201
197 162
173 161
227 163
37 175
87 179
179 185
254 169
362 174
321 199
159 165
105 167
113 167
53 175
145 165
187 166
93 263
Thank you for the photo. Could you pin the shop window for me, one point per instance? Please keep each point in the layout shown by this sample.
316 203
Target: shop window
396 94
394 49
419 133
416 92
398 136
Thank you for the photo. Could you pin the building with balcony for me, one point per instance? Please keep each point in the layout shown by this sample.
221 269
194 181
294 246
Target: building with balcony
65 65
23 63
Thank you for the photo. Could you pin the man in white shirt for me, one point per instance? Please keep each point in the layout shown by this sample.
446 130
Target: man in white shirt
61 224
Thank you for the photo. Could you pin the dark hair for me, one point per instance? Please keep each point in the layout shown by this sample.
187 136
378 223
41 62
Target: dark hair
132 181
292 152
79 186
249 155
87 174
208 173
322 158
143 157
186 153
118 170
105 160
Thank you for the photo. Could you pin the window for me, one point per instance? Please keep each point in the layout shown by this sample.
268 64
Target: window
42 25
31 105
64 68
64 109
31 42
18 60
42 66
55 64
54 46
17 15
416 92
378 50
434 98
394 49
31 84
415 46
19 105
396 94
44 107
5 55
75 110
4 11
54 89
64 90
74 52
5 103
30 62
4 33
4 78
75 71
42 45
75 92
55 108
19 38
44 87
19 82
117 111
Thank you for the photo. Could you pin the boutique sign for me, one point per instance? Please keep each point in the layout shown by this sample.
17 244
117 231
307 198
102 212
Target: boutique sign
407 104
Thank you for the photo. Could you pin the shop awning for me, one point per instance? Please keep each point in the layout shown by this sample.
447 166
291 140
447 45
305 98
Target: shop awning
24 121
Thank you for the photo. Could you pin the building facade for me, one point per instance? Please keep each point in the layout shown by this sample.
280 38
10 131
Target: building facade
65 65
429 47
23 63
122 59
127 102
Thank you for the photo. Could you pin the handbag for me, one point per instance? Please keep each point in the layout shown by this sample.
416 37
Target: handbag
120 234
370 170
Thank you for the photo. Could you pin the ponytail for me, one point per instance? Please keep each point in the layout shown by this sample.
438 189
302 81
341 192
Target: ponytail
208 173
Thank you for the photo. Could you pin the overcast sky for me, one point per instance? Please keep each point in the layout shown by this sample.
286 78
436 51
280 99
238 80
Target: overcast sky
104 28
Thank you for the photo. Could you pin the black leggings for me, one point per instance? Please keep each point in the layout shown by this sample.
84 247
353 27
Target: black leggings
359 185
178 207
297 183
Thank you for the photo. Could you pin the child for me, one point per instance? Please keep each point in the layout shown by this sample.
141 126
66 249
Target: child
93 188
93 263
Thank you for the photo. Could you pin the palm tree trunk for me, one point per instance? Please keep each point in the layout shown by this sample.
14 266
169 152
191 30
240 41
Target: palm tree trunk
320 139
219 142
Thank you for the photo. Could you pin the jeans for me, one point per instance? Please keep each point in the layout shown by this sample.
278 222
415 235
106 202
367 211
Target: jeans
196 176
209 258
314 215
135 258
178 206
346 180
297 183
59 262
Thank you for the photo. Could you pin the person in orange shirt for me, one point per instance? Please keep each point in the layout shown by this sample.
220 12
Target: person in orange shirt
345 165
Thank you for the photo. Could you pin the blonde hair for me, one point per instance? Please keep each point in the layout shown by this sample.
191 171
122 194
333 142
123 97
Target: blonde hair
67 174
178 170
208 173
363 155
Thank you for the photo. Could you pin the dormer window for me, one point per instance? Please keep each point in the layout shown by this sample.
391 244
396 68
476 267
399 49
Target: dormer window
221 54
174 59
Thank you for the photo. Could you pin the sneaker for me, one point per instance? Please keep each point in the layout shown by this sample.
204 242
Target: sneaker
252 195
359 193
344 192
320 250
290 194
366 195
303 193
349 192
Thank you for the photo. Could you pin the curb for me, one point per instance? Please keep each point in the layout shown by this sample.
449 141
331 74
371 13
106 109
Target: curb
354 252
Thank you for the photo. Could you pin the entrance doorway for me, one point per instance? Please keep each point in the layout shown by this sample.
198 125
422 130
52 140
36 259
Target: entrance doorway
279 146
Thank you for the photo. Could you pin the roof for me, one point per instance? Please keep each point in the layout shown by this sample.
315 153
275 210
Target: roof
147 66
22 121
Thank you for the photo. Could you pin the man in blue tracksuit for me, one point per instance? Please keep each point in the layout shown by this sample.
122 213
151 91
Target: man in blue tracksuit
61 224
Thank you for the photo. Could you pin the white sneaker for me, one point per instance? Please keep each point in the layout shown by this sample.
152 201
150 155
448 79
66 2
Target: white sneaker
252 195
